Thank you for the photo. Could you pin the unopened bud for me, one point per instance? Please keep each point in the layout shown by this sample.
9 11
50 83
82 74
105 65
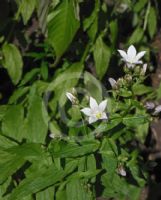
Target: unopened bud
143 71
121 170
120 82
71 97
113 83
74 92
128 78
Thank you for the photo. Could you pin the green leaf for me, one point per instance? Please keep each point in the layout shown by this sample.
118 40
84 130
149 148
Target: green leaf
140 5
13 122
124 92
134 120
93 86
104 127
62 26
26 8
40 180
28 151
114 31
152 22
20 92
6 142
72 149
36 124
12 62
9 164
76 191
29 76
3 188
45 194
3 109
65 81
102 56
42 12
90 24
140 89
159 92
136 36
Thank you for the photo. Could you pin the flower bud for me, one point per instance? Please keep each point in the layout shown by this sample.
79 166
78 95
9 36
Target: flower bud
71 97
113 83
121 170
120 82
143 70
128 78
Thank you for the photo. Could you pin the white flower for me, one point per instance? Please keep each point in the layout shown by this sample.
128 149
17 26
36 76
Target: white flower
131 57
149 105
112 82
71 97
157 110
95 111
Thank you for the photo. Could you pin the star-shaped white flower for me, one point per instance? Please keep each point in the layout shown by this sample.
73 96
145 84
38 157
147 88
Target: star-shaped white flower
95 112
131 58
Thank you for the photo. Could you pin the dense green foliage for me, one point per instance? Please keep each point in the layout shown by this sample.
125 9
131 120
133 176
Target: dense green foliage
47 149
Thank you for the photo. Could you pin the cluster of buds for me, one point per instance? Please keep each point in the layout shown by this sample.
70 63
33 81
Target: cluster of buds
121 82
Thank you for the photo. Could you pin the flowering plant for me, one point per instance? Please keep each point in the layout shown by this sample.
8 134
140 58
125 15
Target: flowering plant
75 112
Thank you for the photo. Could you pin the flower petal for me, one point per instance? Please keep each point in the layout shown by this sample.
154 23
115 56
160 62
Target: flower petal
123 54
140 55
131 52
93 104
138 62
86 111
104 116
102 105
149 105
92 119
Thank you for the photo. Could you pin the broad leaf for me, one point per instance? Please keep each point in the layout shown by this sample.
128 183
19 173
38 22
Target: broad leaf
9 164
72 149
12 62
36 125
62 26
26 8
93 86
76 191
40 180
134 120
102 56
13 122
136 36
